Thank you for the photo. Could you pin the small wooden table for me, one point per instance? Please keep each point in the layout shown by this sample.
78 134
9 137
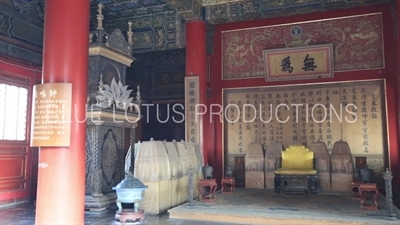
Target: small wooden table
225 182
204 196
363 190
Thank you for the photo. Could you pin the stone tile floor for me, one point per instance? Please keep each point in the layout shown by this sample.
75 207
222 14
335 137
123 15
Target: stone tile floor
25 215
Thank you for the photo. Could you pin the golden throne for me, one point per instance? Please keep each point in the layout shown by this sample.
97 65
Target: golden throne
296 166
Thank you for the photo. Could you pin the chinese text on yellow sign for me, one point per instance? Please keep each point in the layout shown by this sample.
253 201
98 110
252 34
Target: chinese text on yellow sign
51 114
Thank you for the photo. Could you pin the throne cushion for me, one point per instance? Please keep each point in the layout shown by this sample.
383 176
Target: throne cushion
297 160
282 171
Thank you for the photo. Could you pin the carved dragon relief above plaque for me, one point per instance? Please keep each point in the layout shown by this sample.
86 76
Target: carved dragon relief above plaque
357 42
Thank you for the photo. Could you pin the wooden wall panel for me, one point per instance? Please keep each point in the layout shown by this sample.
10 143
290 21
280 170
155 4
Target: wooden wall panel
13 169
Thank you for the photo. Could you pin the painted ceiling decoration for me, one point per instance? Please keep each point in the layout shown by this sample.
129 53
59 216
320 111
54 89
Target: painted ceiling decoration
24 6
216 2
218 11
160 24
156 24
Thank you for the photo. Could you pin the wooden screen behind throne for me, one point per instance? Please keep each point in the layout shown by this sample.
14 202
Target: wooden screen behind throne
350 111
342 167
272 155
322 164
254 166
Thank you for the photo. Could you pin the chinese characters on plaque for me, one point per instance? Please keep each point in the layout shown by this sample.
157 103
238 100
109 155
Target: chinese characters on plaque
51 115
348 111
298 63
191 105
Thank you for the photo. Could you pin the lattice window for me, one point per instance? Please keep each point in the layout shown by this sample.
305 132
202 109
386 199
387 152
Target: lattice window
13 112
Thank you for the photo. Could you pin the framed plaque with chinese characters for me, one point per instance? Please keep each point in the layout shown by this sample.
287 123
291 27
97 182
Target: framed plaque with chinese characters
51 115
298 63
192 99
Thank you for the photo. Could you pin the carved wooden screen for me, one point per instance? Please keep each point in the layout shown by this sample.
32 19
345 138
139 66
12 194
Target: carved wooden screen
349 111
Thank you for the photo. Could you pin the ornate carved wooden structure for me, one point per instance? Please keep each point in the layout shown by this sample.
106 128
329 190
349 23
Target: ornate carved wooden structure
322 164
342 168
254 166
273 153
109 55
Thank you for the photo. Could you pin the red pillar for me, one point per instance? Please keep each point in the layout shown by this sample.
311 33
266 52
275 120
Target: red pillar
196 63
395 168
61 175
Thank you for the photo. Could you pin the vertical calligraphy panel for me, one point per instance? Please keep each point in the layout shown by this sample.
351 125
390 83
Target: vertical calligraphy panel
303 115
332 126
365 130
270 129
311 124
284 116
191 102
294 116
250 119
264 115
233 139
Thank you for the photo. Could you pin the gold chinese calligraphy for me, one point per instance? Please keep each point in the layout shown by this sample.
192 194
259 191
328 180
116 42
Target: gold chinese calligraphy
192 109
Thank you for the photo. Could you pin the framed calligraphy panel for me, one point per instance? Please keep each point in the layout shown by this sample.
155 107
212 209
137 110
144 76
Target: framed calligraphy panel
51 115
290 114
192 99
298 62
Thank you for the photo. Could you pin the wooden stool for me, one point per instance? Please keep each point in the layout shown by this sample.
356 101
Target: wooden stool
228 181
204 196
355 185
363 190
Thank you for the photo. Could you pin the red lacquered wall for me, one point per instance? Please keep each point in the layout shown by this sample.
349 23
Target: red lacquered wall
16 156
390 73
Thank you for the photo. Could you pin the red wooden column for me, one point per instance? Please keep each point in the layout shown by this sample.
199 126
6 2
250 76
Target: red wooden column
61 173
196 64
395 168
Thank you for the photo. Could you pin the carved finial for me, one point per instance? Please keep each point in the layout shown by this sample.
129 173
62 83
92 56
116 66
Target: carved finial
130 33
101 82
191 73
91 37
100 9
387 174
100 17
138 93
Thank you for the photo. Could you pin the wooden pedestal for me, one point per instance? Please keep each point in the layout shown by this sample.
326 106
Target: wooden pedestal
228 182
368 188
302 184
204 196
129 215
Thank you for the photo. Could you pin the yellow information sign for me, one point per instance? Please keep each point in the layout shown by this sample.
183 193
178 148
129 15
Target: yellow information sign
51 115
